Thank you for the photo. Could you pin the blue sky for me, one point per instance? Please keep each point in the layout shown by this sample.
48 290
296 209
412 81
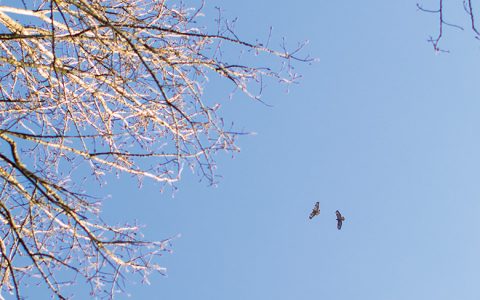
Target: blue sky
381 128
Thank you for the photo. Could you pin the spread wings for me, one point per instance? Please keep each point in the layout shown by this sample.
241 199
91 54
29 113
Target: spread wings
340 220
315 211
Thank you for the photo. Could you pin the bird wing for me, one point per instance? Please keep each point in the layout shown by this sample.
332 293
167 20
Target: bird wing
339 215
339 224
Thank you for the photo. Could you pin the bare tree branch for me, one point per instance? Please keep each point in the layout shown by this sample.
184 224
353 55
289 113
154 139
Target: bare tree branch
116 86
441 12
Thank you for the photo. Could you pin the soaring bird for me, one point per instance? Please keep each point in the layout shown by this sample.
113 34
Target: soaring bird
340 219
315 210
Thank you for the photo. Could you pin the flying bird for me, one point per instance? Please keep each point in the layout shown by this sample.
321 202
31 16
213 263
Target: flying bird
315 210
340 219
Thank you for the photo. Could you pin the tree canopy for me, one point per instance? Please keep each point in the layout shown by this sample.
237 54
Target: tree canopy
109 87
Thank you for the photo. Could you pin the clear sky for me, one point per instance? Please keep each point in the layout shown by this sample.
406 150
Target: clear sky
382 128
